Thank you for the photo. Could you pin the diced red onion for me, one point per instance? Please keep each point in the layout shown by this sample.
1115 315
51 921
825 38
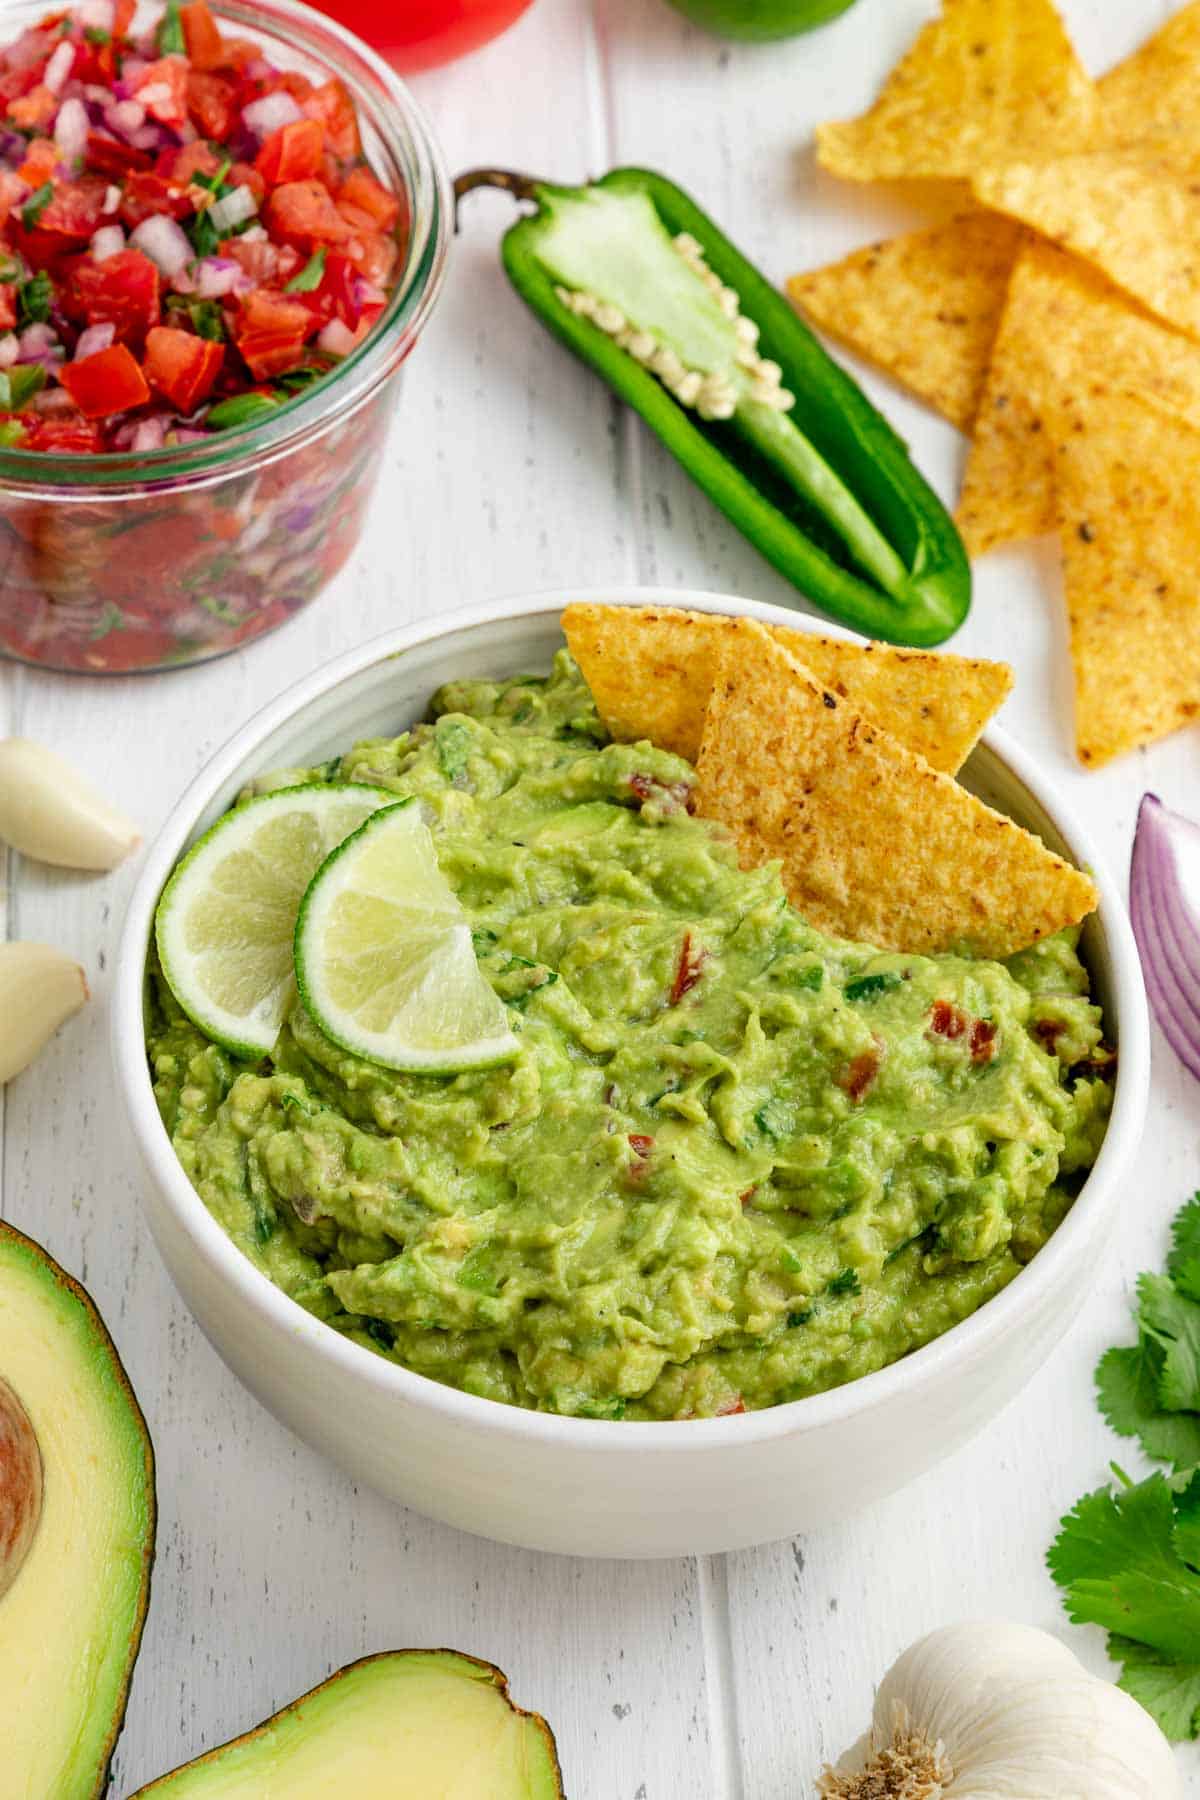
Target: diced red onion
56 71
131 68
35 341
164 242
254 234
52 400
367 294
183 434
10 350
1164 907
271 113
183 282
234 209
71 127
150 137
217 276
148 434
96 14
94 339
123 118
337 339
112 198
108 241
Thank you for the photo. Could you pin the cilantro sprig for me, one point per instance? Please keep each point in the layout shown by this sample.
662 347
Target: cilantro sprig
1128 1556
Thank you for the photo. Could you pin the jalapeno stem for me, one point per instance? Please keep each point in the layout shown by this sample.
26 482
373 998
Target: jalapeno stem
521 187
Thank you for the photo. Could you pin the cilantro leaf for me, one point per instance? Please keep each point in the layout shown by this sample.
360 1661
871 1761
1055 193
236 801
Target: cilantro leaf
1169 1690
34 299
310 276
1172 1321
170 39
1127 1394
1115 1559
1183 1264
36 204
1186 1535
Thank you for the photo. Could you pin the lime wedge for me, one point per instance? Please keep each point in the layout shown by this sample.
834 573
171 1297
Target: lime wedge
384 958
226 919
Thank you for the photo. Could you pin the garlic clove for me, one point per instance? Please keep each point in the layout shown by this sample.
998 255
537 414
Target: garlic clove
49 812
39 989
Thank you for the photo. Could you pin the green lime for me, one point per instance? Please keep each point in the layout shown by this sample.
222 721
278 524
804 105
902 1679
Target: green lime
226 919
760 20
384 957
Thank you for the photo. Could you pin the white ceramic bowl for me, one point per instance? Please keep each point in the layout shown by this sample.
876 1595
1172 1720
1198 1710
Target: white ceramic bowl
590 1487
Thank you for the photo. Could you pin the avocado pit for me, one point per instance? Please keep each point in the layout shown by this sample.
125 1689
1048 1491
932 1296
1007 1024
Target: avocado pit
20 1486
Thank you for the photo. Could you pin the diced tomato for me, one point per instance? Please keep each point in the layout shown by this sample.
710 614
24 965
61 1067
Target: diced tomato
292 153
123 12
62 436
68 220
181 366
333 106
211 104
735 1404
147 194
8 305
161 87
304 211
122 291
374 256
361 189
41 160
95 63
246 175
12 191
109 382
259 257
205 47
109 156
33 109
360 222
270 353
180 166
236 53
337 296
263 310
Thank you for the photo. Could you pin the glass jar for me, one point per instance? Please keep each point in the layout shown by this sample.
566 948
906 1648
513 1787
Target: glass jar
156 559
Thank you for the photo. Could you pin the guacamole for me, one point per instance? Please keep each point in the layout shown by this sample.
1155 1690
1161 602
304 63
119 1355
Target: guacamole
733 1162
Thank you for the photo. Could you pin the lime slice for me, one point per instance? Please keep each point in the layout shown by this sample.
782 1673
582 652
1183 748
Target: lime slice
226 919
384 958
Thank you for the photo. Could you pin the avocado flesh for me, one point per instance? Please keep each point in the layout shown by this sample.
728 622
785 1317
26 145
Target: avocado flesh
407 1725
71 1622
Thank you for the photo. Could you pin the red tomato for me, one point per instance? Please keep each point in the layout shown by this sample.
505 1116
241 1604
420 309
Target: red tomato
41 160
109 156
179 166
270 353
123 291
109 382
246 175
292 153
66 436
305 211
33 109
264 311
333 106
204 45
12 190
210 101
374 256
361 190
147 194
161 87
181 366
259 257
8 305
129 646
423 33
123 12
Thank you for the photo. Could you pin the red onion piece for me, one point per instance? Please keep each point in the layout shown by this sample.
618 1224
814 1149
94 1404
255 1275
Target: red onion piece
10 349
71 128
93 340
337 339
148 434
164 242
98 14
271 113
35 341
124 117
235 208
1164 908
217 276
57 70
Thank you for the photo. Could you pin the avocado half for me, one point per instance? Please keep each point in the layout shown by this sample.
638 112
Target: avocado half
77 1519
406 1725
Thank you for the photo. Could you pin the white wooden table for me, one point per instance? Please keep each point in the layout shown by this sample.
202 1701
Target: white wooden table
510 469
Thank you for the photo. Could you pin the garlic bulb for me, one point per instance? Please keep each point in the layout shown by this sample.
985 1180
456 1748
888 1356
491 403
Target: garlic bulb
39 989
49 812
994 1711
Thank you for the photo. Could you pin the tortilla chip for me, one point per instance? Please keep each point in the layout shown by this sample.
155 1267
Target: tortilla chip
875 844
651 671
1127 476
989 78
1153 92
925 306
1064 328
1134 214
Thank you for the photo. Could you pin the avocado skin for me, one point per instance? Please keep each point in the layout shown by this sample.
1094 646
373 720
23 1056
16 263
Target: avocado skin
64 1291
189 1779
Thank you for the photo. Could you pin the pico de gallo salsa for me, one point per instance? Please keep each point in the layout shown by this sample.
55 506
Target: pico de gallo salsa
189 235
